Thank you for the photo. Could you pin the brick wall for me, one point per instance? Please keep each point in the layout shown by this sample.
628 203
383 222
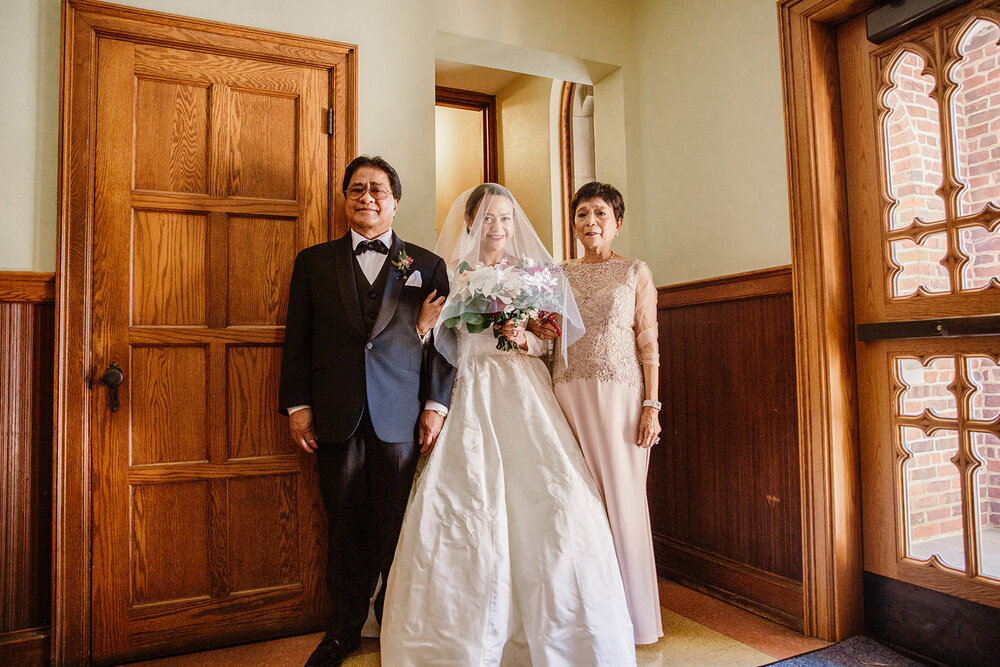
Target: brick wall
985 406
976 115
933 488
914 161
915 173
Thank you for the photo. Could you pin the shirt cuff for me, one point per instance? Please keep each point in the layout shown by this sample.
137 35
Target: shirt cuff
296 408
435 406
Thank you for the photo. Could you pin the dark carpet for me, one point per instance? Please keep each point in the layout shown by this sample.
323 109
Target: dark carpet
859 651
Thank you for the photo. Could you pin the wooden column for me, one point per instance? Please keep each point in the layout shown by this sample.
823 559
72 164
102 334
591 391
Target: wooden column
824 343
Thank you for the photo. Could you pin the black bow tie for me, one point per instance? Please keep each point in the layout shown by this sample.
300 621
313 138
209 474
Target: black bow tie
375 246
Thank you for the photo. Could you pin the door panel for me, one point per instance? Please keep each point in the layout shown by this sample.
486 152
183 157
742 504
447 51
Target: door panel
212 171
921 119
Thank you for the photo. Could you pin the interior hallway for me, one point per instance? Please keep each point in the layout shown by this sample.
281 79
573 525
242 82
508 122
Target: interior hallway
697 630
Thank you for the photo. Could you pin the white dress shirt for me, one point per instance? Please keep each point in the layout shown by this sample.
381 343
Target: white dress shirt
371 263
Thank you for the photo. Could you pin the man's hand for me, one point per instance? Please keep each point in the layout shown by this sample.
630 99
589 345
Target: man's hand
300 423
430 426
429 311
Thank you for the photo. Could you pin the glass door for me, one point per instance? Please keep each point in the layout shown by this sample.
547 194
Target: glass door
921 119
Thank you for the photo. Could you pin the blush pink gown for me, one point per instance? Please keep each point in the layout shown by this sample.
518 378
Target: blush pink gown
600 389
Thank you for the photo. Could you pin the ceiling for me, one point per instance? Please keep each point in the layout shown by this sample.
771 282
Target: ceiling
478 79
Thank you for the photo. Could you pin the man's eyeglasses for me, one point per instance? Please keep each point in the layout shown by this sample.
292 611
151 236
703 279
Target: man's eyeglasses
379 192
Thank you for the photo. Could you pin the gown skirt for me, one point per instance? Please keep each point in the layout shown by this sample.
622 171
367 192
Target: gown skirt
505 556
605 419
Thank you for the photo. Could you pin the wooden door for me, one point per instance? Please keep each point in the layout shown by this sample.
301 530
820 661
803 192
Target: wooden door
922 150
214 164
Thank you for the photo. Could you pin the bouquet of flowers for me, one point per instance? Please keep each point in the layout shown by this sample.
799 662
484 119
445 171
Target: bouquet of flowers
488 295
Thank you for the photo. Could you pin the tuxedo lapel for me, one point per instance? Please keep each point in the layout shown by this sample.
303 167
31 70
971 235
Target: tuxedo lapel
344 261
393 288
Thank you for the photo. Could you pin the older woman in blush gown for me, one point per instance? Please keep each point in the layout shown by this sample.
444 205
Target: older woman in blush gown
607 386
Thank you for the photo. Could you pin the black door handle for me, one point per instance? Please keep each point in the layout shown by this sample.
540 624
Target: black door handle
113 377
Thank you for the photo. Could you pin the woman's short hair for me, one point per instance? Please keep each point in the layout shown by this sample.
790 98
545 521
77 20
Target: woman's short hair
377 162
477 194
595 190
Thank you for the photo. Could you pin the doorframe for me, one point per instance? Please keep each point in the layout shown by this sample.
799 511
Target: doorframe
83 23
832 565
486 105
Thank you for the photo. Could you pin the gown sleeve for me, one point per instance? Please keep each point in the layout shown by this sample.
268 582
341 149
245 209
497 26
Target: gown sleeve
646 330
536 346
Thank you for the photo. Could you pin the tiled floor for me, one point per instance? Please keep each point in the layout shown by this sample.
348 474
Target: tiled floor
697 630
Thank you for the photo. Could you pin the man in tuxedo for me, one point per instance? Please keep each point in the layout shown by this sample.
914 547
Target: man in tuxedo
360 382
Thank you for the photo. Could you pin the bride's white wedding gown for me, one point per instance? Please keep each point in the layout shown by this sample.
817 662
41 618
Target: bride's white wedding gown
505 555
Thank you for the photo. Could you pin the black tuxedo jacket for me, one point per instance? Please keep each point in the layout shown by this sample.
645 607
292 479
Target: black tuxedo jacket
333 364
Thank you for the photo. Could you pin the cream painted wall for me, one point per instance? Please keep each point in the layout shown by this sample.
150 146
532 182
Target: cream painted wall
713 144
523 120
396 40
687 125
29 107
395 99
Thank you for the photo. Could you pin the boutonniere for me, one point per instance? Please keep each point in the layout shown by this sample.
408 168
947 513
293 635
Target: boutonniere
404 264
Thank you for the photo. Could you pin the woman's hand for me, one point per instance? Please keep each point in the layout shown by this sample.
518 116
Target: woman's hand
649 427
514 331
544 330
429 312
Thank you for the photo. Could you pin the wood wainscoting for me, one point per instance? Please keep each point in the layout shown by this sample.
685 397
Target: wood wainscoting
724 486
27 329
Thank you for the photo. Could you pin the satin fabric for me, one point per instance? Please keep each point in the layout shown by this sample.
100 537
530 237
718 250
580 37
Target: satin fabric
505 555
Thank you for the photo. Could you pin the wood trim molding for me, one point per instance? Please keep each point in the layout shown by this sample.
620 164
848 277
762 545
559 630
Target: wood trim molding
824 339
83 22
487 104
752 284
27 286
25 647
763 593
566 166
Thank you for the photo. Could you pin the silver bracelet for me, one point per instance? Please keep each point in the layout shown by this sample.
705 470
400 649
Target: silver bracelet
652 404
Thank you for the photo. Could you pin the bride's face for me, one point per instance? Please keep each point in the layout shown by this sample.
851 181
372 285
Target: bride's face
498 224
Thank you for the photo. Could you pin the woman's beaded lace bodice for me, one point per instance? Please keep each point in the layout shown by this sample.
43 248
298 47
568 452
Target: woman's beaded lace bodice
614 301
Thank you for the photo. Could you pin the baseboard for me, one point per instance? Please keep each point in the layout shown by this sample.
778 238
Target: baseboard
762 593
931 625
24 648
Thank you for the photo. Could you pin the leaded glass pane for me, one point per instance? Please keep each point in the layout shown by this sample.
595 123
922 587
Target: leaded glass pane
927 387
975 112
913 144
987 484
933 496
984 374
982 247
920 265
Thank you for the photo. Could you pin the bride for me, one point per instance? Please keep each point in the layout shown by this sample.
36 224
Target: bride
505 555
